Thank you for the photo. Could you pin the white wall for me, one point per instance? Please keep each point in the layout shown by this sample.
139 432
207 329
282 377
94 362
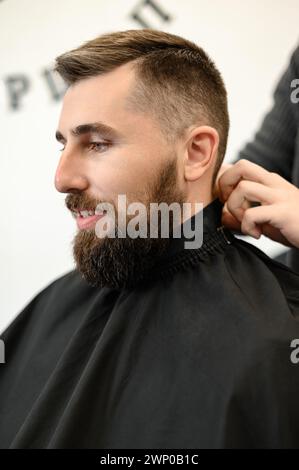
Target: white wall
250 41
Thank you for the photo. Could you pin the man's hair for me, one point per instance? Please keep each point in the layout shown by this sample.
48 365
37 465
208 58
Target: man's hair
176 81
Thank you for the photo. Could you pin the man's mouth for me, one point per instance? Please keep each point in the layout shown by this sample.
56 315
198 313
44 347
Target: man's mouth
87 218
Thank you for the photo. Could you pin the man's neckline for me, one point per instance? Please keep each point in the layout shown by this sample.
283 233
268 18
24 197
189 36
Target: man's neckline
211 220
177 256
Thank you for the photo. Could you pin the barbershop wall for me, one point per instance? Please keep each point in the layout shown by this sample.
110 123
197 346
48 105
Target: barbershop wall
250 41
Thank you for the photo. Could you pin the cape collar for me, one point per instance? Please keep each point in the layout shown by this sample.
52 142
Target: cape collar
215 238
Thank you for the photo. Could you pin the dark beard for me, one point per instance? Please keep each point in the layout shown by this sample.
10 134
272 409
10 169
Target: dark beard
122 262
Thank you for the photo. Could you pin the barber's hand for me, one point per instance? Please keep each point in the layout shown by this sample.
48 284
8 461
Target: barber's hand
277 216
224 167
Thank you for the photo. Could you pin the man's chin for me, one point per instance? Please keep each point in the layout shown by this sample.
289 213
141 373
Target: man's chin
115 262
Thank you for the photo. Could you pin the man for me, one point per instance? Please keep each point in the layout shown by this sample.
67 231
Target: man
149 344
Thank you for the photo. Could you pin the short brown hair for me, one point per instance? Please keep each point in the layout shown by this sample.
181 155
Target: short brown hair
176 81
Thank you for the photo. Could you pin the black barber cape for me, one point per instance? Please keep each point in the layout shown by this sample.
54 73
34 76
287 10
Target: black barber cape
198 356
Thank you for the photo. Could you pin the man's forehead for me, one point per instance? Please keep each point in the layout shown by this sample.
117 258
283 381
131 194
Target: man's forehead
116 84
102 97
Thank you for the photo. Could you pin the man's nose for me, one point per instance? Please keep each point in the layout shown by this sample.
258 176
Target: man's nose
69 176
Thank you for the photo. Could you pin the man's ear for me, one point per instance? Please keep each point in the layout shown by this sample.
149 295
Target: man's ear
201 152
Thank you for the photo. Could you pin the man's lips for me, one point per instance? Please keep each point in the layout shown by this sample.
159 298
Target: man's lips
88 222
86 218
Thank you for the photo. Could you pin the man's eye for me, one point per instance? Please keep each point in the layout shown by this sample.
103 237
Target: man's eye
93 145
96 145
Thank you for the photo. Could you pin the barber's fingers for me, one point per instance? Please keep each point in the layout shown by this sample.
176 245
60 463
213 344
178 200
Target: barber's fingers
267 220
277 214
254 218
244 169
258 221
229 221
246 204
246 192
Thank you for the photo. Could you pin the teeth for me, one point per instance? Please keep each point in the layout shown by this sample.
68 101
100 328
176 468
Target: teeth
84 214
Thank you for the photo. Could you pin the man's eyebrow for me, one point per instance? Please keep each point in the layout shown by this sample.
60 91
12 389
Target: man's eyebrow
91 128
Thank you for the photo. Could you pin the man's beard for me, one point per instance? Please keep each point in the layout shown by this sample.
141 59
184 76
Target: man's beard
121 262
